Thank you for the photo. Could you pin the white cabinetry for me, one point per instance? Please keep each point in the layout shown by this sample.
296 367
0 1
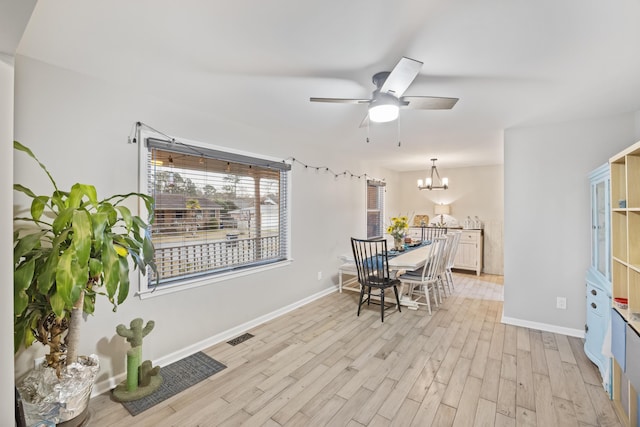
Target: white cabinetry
469 254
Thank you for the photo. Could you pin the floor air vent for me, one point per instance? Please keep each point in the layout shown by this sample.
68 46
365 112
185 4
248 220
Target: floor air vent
242 338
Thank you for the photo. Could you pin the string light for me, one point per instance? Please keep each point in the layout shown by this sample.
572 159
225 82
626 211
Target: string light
293 160
345 173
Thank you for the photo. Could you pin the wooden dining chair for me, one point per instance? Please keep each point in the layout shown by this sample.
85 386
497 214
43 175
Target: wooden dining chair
428 278
372 264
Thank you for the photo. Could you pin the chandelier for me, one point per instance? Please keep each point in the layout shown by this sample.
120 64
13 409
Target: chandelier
434 182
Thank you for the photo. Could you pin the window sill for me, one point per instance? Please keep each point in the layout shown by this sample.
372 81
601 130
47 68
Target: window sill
205 281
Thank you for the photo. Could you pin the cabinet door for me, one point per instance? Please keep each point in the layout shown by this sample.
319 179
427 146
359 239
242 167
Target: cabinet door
600 227
466 255
598 308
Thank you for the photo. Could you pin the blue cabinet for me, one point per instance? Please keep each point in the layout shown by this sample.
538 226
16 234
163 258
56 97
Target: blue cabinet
598 283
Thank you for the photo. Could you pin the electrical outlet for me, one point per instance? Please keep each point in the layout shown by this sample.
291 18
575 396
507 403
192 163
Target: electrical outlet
319 275
561 303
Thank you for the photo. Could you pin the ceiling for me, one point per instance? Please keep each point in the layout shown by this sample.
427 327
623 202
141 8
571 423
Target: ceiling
14 16
512 63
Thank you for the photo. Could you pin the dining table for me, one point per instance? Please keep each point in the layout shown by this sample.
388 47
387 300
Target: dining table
399 261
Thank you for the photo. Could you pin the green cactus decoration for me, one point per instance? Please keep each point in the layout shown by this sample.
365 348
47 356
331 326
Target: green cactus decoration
136 332
142 378
147 372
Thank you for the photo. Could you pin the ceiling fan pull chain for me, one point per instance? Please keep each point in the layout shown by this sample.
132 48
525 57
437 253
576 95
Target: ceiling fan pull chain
367 131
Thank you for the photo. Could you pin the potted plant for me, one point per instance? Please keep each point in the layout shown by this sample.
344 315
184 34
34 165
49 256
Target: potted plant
70 249
397 229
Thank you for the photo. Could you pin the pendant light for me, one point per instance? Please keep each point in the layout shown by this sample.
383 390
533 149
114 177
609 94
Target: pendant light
433 181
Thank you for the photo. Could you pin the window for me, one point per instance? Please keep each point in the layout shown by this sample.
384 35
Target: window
375 209
216 212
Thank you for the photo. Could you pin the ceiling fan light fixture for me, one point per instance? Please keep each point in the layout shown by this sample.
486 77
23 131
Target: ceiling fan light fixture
388 97
383 113
383 108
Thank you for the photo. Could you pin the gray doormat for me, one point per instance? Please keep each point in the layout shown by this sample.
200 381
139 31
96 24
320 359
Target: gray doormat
177 376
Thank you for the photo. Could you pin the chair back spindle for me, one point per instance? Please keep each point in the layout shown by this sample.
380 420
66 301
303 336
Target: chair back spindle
430 233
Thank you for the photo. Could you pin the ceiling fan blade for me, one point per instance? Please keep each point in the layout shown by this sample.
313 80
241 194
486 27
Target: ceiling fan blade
428 102
401 77
341 100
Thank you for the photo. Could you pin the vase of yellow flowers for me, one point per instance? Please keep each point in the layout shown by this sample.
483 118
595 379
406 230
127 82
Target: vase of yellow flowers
397 230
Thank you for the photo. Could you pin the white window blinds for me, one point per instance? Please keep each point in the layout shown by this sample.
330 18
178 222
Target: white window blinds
214 211
375 209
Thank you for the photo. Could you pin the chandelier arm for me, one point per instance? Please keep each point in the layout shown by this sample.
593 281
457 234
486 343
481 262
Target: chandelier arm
434 169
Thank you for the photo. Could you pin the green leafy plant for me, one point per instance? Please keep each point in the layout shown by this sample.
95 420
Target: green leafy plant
72 248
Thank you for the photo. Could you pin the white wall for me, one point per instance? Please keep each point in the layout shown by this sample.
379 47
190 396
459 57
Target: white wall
78 126
547 217
6 248
473 191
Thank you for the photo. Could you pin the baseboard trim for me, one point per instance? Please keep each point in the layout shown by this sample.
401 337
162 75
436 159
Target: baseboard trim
579 333
111 382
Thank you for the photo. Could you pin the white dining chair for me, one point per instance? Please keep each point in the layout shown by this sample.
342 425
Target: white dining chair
451 257
428 278
451 247
442 284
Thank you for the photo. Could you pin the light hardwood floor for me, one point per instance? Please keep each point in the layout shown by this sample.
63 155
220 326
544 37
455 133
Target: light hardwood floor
322 365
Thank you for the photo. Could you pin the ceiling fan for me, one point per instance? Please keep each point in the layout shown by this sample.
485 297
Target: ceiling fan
387 98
